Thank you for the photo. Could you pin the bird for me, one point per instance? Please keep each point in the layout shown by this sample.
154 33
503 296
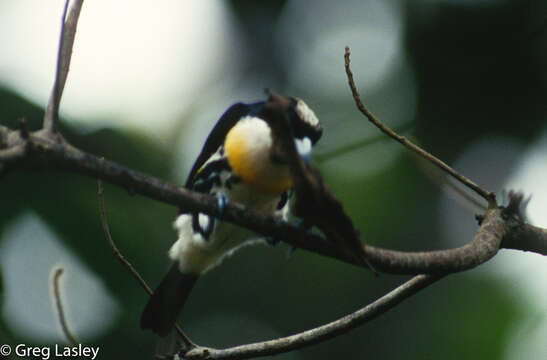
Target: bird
240 162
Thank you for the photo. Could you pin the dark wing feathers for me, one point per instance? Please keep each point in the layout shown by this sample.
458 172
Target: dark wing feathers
217 135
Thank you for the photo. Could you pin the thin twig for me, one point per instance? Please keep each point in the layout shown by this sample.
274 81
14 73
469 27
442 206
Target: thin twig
451 187
487 195
64 54
59 305
321 333
460 195
187 342
344 149
115 249
455 191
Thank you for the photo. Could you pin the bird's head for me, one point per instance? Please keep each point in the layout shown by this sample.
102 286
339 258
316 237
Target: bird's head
253 151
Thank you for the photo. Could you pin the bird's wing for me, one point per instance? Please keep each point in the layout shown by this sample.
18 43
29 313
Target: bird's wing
218 134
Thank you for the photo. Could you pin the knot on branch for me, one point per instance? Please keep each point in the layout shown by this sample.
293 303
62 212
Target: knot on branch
196 353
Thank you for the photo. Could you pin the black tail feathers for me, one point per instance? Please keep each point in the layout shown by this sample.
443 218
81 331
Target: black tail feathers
167 301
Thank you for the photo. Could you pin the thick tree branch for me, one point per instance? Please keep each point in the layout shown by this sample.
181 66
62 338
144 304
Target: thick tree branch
321 333
66 42
522 236
487 195
483 247
526 237
48 154
12 154
4 131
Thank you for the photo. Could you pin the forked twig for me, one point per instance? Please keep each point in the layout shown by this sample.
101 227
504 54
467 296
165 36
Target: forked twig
187 342
59 305
487 195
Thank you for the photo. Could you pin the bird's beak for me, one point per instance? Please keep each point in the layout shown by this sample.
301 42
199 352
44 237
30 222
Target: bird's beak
303 146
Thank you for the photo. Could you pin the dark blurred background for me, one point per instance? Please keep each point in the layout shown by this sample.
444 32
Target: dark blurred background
465 79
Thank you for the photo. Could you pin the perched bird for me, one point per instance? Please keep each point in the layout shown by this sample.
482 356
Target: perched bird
315 204
240 161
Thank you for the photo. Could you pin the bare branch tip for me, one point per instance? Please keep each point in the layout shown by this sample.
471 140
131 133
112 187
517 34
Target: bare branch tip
347 59
58 273
64 53
59 305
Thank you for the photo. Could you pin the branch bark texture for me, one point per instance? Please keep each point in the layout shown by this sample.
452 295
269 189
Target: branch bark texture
49 154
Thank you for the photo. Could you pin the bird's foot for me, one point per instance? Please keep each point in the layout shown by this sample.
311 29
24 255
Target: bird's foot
222 201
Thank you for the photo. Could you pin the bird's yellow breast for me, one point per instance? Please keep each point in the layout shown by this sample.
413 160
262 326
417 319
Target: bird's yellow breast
247 146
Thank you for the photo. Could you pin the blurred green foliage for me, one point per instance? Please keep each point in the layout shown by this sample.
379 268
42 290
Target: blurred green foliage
479 72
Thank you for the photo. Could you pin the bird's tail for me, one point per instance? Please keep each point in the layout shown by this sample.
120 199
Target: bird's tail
167 301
